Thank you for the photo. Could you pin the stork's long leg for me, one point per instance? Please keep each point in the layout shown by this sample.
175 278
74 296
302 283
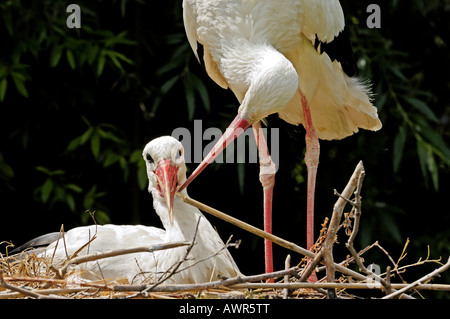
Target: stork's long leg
312 162
267 177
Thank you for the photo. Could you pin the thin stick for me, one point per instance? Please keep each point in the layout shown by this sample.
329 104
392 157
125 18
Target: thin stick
287 265
256 231
208 285
334 285
419 281
24 291
118 252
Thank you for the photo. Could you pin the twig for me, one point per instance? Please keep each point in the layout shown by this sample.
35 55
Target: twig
287 265
334 285
326 253
118 252
208 285
351 239
424 279
24 291
256 231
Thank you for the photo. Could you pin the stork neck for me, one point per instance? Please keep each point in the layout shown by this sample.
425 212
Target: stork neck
241 62
185 218
262 78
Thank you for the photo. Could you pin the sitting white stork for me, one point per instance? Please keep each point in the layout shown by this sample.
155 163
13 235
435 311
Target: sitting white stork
207 259
283 57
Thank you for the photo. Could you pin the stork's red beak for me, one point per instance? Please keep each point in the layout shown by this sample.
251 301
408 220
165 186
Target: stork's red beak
166 173
236 128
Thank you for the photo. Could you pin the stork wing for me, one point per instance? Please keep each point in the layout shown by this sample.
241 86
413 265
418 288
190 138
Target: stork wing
200 50
323 18
190 24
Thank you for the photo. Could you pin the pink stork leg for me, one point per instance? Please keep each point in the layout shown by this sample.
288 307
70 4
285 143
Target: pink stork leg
267 177
312 161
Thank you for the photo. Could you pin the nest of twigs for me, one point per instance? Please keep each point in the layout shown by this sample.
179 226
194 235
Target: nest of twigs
27 275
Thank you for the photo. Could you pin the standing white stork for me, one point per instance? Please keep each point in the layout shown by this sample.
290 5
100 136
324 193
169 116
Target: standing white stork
274 56
207 259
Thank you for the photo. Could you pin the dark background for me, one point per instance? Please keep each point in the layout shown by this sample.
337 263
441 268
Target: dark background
78 105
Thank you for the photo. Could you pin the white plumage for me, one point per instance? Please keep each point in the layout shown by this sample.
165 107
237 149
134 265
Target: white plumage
273 56
241 37
166 169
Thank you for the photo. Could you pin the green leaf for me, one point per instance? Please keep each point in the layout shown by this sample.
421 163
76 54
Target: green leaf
70 201
399 144
422 107
43 169
142 177
110 158
19 80
3 87
190 98
422 154
136 156
6 170
432 168
202 91
169 84
101 63
86 135
46 189
75 188
396 70
95 145
75 143
55 55
70 59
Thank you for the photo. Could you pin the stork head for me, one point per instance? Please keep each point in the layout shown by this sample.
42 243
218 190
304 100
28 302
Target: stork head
166 169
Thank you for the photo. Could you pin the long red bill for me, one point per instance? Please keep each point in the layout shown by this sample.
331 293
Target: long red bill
236 128
166 173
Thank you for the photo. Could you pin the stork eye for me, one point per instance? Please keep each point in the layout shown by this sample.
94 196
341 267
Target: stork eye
149 158
179 153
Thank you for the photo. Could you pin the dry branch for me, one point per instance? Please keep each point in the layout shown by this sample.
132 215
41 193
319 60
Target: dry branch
117 252
256 231
208 285
416 283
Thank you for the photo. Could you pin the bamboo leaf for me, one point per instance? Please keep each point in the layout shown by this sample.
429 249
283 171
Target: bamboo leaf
55 55
422 155
75 188
399 145
190 98
101 63
70 201
70 59
432 168
86 135
46 190
95 145
422 107
202 91
142 177
19 80
3 87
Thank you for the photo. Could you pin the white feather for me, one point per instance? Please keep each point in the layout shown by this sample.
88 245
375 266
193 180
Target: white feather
238 35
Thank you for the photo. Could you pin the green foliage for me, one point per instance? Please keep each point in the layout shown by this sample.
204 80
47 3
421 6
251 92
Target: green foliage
402 100
78 105
56 188
177 70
